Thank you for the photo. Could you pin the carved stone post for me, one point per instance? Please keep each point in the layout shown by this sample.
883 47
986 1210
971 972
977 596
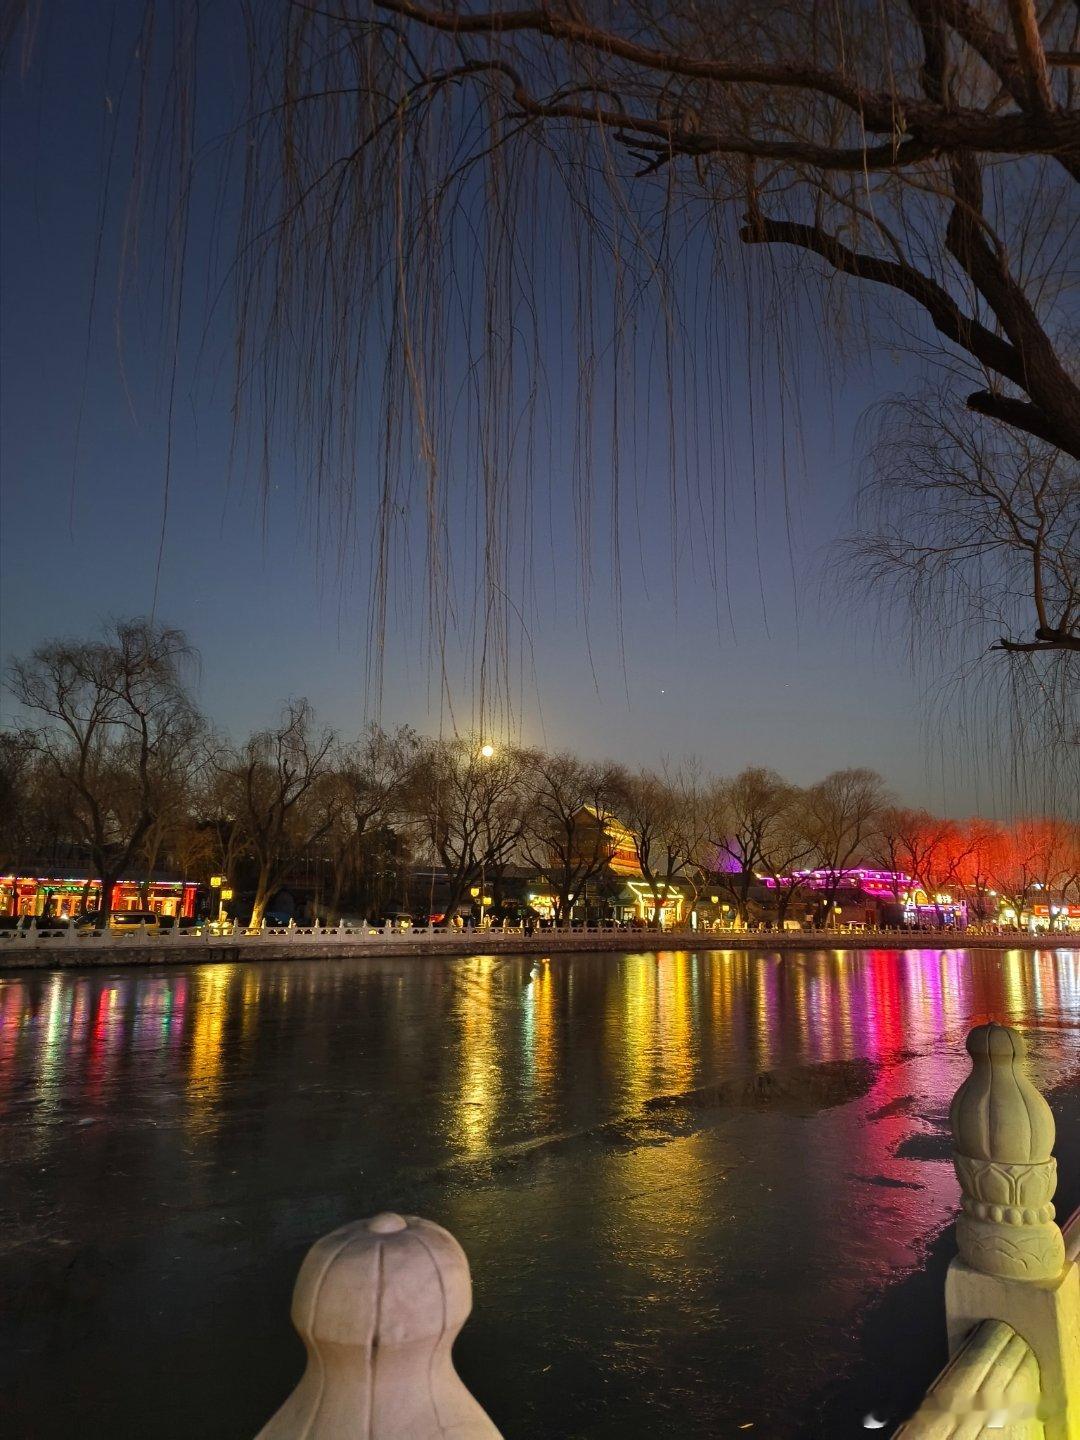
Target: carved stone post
1012 1264
1003 1136
378 1305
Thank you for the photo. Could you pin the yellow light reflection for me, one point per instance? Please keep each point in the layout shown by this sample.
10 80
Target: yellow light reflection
636 1039
672 1041
480 1070
1014 973
210 1006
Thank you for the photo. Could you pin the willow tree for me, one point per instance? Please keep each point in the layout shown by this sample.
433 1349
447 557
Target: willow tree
924 151
115 727
419 180
970 535
566 831
892 143
927 151
279 796
467 800
369 778
840 814
668 817
746 816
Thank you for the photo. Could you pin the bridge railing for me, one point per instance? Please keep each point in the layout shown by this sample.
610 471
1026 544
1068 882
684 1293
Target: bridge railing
378 1303
1012 1295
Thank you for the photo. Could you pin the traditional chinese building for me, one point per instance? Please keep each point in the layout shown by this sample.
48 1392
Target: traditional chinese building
68 892
869 899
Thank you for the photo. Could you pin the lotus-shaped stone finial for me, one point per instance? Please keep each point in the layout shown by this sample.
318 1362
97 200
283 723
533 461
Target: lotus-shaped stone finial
1003 1134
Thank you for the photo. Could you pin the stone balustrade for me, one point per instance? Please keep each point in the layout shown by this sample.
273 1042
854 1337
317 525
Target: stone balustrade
41 947
1012 1295
378 1305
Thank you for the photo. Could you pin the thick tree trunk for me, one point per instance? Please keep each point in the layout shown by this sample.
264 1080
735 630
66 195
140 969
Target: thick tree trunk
824 908
658 905
453 899
108 885
262 898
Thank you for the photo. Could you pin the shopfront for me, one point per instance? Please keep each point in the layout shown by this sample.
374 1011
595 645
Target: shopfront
62 896
639 903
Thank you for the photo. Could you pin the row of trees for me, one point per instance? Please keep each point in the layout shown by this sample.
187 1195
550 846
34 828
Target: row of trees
116 761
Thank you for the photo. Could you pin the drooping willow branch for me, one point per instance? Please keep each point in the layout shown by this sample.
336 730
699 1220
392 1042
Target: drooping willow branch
835 163
932 129
399 160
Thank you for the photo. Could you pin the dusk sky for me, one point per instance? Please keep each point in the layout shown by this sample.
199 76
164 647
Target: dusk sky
796 680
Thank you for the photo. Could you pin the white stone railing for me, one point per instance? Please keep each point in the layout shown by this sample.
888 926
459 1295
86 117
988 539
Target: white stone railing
379 1303
69 936
1012 1295
232 932
990 1385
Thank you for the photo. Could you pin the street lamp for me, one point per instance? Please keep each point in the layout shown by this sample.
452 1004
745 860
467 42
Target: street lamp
218 883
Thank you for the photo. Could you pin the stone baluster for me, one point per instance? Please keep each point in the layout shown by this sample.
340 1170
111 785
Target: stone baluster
1012 1264
378 1305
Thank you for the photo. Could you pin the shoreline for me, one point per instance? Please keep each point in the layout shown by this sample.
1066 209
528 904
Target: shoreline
67 955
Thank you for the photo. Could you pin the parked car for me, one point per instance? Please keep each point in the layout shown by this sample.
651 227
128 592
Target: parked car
122 922
34 922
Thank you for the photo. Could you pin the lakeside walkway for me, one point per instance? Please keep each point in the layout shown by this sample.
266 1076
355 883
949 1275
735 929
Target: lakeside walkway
64 950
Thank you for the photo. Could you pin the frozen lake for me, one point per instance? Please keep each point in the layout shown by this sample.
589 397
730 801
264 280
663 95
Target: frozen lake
703 1194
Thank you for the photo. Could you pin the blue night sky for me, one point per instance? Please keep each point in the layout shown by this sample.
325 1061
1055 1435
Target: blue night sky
795 680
